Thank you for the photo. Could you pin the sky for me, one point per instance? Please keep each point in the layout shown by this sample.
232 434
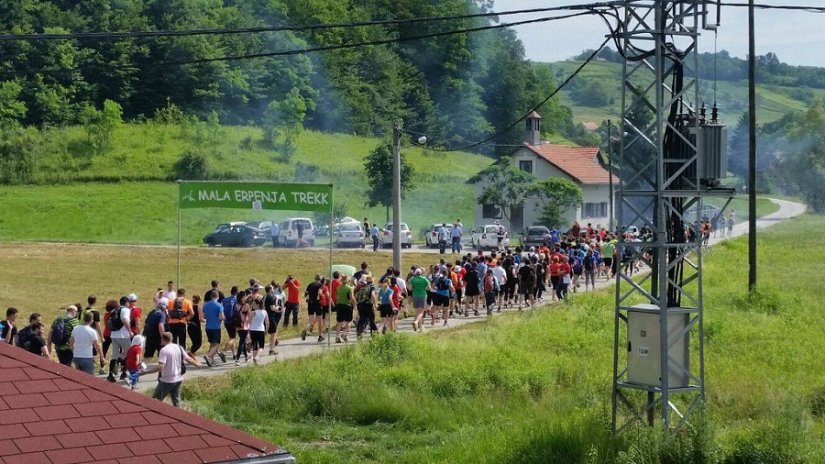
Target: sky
797 38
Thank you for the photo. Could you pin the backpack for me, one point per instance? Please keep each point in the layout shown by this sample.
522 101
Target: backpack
489 284
229 307
364 294
530 275
115 323
60 334
177 311
151 327
588 263
443 283
577 265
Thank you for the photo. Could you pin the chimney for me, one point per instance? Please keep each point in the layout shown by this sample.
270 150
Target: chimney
532 129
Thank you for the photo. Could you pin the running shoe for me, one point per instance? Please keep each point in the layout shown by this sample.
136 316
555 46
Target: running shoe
345 338
415 326
237 363
222 356
206 360
337 339
304 334
321 338
384 330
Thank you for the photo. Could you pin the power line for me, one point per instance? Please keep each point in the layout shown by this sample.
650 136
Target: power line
310 27
301 51
534 108
764 6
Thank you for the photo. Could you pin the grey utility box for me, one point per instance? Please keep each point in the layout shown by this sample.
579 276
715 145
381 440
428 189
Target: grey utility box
644 346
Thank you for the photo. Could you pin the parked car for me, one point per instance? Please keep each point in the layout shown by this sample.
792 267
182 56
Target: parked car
349 234
487 237
292 228
385 237
235 234
431 234
535 236
264 226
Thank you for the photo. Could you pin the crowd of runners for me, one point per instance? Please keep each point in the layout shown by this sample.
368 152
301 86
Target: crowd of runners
119 339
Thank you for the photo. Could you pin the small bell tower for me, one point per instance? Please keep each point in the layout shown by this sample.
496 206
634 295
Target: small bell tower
532 129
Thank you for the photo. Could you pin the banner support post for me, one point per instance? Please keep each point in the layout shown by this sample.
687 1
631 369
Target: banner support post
331 231
180 233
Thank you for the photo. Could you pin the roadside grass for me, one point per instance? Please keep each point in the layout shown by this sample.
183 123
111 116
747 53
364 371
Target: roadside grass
739 204
534 387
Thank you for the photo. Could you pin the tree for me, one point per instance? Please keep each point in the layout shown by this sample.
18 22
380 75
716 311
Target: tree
284 121
507 187
806 170
101 124
378 169
557 195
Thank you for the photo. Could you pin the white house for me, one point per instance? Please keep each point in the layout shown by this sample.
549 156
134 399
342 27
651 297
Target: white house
582 165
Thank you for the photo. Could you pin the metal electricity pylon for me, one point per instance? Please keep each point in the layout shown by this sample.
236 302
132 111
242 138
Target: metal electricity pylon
672 156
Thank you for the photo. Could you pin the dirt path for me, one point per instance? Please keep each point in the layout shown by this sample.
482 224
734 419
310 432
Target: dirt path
296 348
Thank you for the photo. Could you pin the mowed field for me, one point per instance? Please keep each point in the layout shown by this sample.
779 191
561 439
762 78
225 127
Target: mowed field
46 277
534 386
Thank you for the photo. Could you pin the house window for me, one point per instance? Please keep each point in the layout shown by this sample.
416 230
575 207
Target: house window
526 166
594 210
490 212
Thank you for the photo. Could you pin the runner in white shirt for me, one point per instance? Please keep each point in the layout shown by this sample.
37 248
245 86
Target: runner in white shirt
121 341
170 364
258 326
501 277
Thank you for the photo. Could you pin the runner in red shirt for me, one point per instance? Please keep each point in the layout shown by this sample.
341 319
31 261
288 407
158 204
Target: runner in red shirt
293 298
135 323
396 303
336 281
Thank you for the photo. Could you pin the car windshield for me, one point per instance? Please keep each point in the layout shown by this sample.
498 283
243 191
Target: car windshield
536 231
303 222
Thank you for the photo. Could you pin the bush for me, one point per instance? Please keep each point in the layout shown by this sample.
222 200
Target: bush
191 166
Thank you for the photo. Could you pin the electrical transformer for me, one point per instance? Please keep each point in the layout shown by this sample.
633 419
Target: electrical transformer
644 347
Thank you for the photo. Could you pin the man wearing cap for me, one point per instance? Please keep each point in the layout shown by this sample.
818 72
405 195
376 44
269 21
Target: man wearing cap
68 322
135 314
154 328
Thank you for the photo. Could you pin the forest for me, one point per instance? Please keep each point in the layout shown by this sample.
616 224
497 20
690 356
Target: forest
454 88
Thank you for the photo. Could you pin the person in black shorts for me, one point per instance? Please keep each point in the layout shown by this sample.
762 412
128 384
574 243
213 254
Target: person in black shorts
527 281
316 311
274 307
343 309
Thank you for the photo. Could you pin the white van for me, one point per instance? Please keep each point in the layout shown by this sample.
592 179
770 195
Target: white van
295 230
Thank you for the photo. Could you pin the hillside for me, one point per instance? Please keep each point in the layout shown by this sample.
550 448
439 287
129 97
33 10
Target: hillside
774 101
127 193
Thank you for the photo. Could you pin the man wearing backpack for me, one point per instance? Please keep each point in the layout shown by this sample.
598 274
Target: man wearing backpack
154 328
366 300
491 289
121 336
25 334
179 313
441 297
60 335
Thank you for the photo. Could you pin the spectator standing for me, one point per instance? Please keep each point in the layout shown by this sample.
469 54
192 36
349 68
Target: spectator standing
273 232
154 329
293 296
169 293
374 236
455 236
121 339
171 367
442 234
179 313
7 328
85 343
61 333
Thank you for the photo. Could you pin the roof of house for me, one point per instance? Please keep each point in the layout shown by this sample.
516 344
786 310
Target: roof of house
50 413
580 163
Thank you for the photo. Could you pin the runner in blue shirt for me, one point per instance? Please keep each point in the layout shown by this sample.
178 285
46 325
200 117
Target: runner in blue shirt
213 314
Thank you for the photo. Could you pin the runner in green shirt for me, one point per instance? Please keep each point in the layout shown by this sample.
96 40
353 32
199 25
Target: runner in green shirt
420 286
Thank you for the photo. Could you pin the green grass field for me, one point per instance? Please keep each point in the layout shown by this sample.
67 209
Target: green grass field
534 387
124 195
773 101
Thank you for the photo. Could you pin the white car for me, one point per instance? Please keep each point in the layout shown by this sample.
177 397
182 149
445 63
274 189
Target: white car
431 235
289 232
487 237
349 234
385 236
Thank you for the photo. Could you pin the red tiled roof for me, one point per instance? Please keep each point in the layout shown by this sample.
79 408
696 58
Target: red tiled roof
580 163
53 414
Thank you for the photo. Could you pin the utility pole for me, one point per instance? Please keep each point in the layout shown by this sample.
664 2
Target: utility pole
396 197
610 166
751 150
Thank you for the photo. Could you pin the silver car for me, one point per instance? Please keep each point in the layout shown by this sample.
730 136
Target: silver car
350 234
385 236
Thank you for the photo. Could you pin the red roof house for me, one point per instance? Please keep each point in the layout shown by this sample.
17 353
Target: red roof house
53 414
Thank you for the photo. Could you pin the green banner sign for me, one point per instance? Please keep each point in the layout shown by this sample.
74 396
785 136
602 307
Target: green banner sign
255 195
